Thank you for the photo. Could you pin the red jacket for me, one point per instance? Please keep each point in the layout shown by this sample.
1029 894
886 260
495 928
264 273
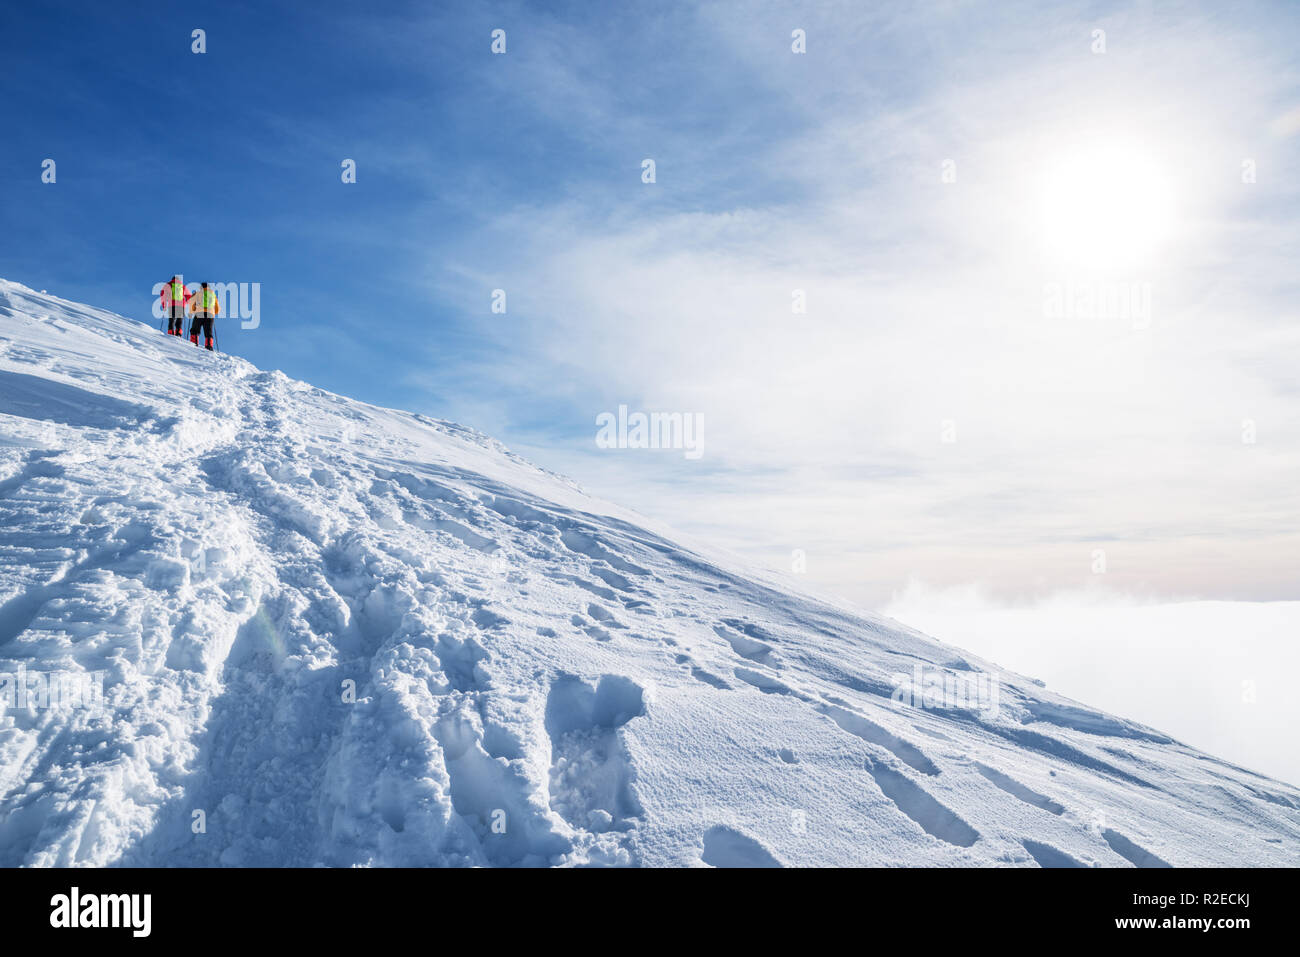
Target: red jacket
172 289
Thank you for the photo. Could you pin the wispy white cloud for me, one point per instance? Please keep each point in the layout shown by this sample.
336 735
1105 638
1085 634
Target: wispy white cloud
1215 675
925 300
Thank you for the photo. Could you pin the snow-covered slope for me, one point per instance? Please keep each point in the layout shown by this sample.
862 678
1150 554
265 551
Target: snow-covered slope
540 677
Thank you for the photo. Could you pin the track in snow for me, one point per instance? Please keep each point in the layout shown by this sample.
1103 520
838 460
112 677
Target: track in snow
341 635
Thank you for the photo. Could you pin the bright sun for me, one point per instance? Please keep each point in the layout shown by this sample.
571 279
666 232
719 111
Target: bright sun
1105 206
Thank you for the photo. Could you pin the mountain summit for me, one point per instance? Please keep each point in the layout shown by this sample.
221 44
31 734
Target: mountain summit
247 622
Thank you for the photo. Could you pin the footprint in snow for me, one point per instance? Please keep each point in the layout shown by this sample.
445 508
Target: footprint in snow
591 777
727 847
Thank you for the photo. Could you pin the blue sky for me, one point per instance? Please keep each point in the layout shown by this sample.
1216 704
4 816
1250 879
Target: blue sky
826 432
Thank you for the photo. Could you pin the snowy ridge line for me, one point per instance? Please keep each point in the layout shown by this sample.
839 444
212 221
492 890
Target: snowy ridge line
337 634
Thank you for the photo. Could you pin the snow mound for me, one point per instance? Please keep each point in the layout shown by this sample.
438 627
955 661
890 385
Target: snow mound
329 633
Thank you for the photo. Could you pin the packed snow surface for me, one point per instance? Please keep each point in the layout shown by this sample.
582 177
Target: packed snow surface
329 633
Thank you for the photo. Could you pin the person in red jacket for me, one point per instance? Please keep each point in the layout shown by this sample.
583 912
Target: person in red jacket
204 306
175 297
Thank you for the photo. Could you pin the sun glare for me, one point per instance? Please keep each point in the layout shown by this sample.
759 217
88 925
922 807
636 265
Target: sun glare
1105 206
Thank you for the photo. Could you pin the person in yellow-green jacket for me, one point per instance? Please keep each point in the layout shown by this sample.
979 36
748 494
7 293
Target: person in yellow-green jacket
204 307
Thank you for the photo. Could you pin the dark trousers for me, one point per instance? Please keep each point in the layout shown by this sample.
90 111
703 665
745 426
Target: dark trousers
204 323
176 323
